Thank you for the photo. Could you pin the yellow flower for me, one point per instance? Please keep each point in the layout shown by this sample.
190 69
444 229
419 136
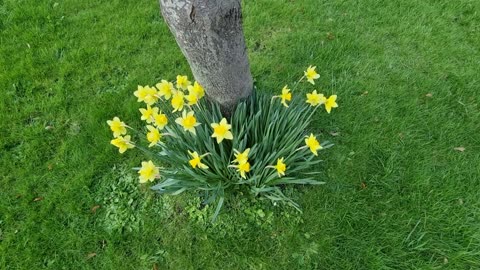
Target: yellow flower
197 89
187 121
160 120
148 113
117 126
165 89
141 93
146 94
123 143
313 144
196 160
177 101
311 74
243 168
191 98
183 82
148 172
241 158
285 96
331 103
221 130
153 136
315 99
281 167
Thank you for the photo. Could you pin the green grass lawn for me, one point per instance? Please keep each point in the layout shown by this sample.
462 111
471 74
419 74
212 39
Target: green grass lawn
398 194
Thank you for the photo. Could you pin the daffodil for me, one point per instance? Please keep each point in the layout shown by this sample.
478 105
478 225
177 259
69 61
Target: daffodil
148 172
177 101
123 143
222 131
160 120
192 98
151 96
165 89
281 167
241 157
187 121
197 89
148 113
313 144
183 82
311 74
331 103
118 127
146 94
153 136
315 99
141 93
243 168
196 160
285 96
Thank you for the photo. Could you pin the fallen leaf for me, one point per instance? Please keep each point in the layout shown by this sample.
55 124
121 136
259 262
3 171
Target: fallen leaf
429 95
334 133
460 148
365 93
37 199
94 208
330 36
50 166
48 127
91 255
363 185
155 266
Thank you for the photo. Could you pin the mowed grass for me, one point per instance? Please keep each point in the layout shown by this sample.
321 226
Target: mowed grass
398 193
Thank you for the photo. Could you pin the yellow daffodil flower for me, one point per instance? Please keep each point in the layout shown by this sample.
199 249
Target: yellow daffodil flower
192 98
118 127
141 93
285 96
222 131
197 89
146 94
313 144
153 136
240 157
243 168
311 74
281 167
148 172
148 113
160 120
183 82
196 160
123 143
151 96
165 89
187 121
331 103
177 101
315 99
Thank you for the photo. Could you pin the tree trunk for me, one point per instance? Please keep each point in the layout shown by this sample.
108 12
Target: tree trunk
210 35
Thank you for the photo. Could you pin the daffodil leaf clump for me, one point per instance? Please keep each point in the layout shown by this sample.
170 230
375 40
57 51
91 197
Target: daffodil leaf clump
191 146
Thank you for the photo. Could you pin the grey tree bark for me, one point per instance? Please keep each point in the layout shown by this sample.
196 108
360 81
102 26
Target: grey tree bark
210 35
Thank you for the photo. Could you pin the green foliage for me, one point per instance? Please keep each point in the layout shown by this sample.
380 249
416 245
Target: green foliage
123 202
261 124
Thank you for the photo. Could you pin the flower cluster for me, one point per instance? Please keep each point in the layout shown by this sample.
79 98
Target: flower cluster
313 98
210 152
